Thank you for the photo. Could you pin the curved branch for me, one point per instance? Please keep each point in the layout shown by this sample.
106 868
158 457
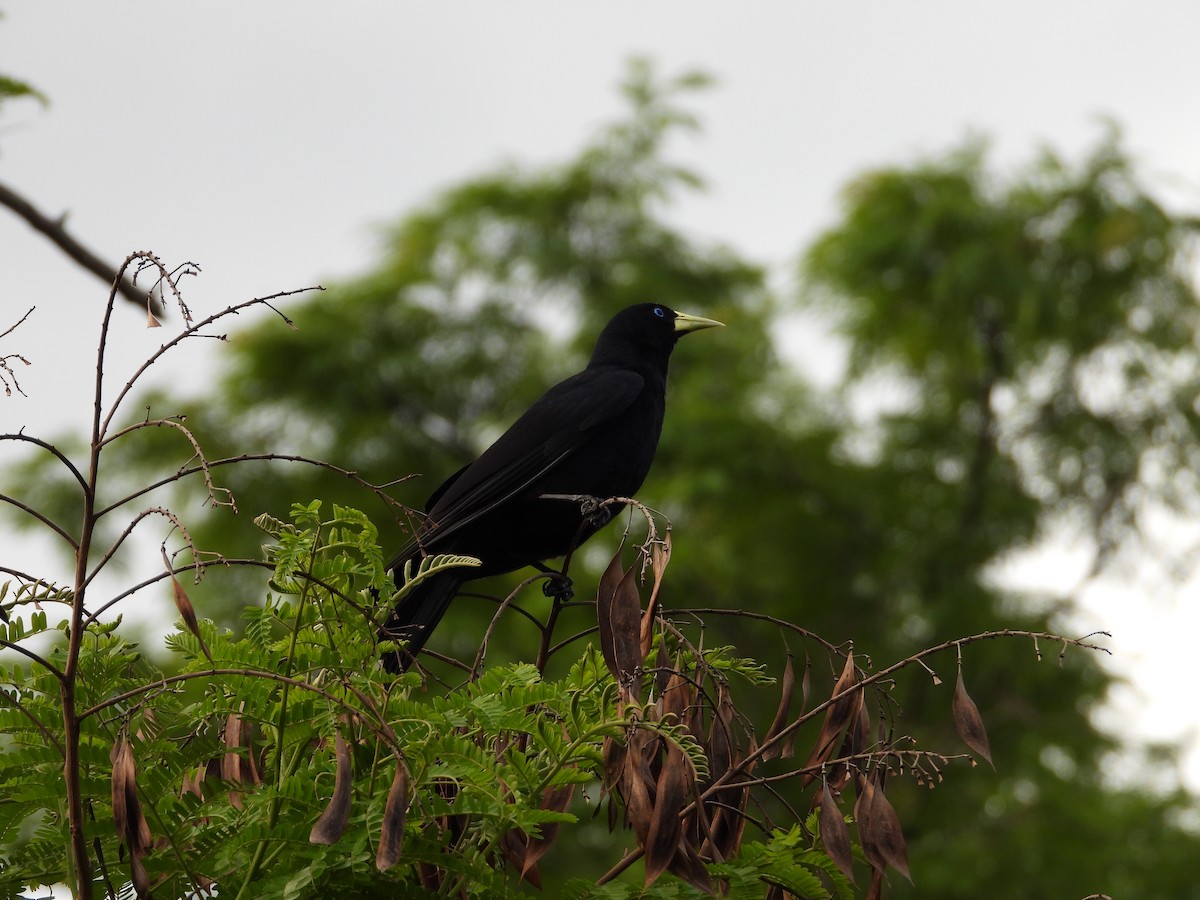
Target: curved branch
508 601
377 489
24 576
192 331
197 452
380 729
190 567
769 745
193 566
112 551
53 526
29 654
56 231
762 617
6 697
50 448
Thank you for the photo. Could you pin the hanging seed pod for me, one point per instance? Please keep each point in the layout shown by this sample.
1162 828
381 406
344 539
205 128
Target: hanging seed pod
838 715
618 615
835 835
787 689
332 824
968 722
391 837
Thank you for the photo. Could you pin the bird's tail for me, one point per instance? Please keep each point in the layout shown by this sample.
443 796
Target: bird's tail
415 617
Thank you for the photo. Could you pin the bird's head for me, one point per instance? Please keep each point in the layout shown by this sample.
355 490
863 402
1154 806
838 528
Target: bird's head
647 331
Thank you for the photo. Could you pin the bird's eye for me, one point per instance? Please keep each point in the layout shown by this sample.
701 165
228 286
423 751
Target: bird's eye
658 311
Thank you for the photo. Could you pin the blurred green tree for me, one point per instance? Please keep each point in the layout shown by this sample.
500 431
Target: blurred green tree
1042 333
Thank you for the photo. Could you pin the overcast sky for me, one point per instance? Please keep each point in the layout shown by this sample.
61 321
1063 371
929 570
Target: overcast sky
268 141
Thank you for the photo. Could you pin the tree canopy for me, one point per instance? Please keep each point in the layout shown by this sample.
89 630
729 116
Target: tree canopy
1040 328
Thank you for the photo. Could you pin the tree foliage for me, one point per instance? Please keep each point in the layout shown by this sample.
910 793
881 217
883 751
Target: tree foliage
1040 329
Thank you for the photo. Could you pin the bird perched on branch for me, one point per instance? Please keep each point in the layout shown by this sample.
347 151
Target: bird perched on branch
521 502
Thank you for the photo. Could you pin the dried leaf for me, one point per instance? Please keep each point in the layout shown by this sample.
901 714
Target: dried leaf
613 754
231 768
514 846
138 875
688 866
660 555
231 762
968 721
835 834
719 747
863 805
523 851
140 834
856 741
859 733
786 689
119 774
555 799
332 824
605 591
193 783
677 698
151 321
391 836
618 614
635 787
725 822
127 813
666 826
663 670
728 822
188 613
879 830
838 715
805 684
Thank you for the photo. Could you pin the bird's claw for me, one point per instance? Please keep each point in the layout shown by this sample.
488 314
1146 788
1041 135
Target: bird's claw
596 514
559 586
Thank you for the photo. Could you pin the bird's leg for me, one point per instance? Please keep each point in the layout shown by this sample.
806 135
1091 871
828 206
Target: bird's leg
593 509
558 585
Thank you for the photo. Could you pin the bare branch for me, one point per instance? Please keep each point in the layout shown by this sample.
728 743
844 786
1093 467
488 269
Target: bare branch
194 331
56 231
215 494
41 517
71 467
178 570
29 654
769 745
152 511
377 489
6 372
11 328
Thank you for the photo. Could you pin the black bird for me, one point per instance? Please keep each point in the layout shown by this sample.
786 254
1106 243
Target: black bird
594 434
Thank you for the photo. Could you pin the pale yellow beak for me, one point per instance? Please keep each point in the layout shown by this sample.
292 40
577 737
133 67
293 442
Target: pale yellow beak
685 323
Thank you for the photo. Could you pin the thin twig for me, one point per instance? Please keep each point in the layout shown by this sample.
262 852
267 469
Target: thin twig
378 490
29 654
7 697
41 517
193 330
116 545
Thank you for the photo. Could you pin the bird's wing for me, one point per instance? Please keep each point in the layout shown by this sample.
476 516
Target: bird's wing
555 426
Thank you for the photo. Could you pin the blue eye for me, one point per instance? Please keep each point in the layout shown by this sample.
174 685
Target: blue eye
658 311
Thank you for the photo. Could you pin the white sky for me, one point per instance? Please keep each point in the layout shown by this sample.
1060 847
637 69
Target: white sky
267 141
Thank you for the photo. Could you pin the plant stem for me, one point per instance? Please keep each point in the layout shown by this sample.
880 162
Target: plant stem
281 724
